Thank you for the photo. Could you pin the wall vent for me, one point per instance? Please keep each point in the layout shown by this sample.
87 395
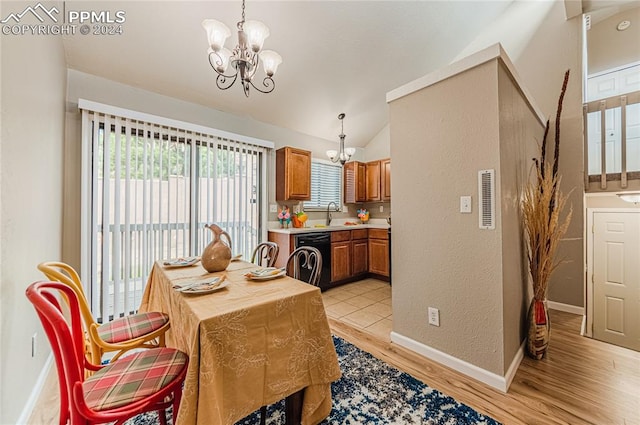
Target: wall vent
487 199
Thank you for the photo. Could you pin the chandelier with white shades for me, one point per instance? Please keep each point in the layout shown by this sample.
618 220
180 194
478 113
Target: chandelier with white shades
344 154
245 57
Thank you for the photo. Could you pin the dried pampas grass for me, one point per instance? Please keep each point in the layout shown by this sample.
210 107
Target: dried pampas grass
542 204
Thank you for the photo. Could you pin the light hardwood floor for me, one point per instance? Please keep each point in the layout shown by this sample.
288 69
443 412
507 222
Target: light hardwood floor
581 381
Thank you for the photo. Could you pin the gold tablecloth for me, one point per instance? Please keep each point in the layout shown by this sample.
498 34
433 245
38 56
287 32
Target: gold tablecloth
250 344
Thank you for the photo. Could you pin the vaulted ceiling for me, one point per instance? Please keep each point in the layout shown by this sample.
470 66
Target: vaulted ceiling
338 56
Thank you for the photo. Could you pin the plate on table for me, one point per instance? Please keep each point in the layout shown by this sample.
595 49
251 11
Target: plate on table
265 274
181 262
203 287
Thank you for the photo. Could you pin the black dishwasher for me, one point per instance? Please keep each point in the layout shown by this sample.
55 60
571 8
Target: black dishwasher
322 242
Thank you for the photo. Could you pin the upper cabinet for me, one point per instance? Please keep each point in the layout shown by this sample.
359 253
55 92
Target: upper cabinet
355 184
293 174
373 181
385 179
367 182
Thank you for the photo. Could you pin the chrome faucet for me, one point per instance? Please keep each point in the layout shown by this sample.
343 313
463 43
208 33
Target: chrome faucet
329 212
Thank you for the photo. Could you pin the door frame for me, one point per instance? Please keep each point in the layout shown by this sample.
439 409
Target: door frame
589 236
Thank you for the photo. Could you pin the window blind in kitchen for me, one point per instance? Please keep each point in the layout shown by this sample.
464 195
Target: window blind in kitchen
150 186
326 185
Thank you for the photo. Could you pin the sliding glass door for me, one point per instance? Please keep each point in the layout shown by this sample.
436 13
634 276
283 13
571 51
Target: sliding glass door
153 191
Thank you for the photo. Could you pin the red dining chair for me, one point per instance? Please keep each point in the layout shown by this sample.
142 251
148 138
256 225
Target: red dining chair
142 330
141 382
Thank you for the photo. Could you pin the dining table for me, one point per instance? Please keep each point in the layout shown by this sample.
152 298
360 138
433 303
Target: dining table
251 342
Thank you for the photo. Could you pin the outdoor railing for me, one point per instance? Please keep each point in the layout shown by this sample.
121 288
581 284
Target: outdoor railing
139 246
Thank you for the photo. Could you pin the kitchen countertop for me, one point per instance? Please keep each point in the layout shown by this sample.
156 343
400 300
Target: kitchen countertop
339 225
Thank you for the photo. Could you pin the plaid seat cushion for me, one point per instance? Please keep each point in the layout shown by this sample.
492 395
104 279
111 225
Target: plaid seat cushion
133 377
131 327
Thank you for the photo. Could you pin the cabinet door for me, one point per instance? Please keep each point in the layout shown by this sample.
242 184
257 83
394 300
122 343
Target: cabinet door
340 261
379 256
293 174
355 183
373 181
360 254
385 179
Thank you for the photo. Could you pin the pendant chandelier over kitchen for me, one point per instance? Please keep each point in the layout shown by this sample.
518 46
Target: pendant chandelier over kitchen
345 154
245 57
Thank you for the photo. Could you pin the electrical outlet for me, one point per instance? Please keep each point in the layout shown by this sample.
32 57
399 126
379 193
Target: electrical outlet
273 208
381 208
434 316
34 340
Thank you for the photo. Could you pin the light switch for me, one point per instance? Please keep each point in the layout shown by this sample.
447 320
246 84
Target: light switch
465 204
273 208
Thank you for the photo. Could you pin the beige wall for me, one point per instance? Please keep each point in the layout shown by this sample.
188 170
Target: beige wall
610 48
441 137
543 45
519 127
33 93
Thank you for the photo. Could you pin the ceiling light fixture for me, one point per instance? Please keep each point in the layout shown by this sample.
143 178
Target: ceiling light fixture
633 197
344 154
245 57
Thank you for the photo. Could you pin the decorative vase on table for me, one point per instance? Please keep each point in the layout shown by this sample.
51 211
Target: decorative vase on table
538 327
217 255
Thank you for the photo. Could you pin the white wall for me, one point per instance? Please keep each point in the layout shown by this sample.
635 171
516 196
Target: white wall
610 48
31 160
380 146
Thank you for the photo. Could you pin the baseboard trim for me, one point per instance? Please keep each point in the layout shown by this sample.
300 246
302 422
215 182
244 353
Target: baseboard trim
35 393
494 380
567 308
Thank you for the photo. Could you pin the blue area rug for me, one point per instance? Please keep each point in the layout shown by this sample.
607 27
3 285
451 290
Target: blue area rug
372 392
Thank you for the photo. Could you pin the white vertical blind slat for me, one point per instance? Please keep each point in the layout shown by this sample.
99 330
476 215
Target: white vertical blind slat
117 302
106 199
128 303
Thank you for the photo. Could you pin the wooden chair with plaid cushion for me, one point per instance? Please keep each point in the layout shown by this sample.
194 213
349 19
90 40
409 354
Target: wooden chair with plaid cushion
140 382
142 330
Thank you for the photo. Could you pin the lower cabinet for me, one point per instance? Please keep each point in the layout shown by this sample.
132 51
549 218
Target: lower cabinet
359 252
379 252
340 255
349 254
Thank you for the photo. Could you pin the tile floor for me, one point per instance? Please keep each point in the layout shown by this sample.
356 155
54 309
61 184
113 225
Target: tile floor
365 304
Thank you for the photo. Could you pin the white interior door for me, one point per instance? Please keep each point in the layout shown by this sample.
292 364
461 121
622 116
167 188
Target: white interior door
616 278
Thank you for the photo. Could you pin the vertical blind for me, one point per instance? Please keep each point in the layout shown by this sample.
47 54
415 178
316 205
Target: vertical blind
154 188
326 185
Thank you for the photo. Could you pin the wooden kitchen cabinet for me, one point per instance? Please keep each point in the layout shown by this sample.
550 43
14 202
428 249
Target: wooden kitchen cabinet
340 255
359 252
355 182
373 181
293 174
385 180
379 252
286 245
